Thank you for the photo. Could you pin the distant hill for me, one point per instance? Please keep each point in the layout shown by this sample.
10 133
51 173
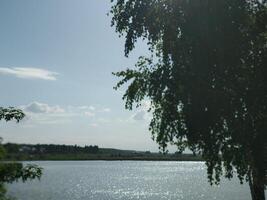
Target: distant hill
91 152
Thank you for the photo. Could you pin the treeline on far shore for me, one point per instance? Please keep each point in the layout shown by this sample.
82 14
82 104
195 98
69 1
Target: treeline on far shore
21 152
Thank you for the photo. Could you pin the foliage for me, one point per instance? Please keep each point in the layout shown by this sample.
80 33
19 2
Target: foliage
11 113
49 148
70 152
10 172
206 79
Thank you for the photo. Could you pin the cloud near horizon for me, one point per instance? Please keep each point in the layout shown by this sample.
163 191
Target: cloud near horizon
29 73
43 113
36 107
142 113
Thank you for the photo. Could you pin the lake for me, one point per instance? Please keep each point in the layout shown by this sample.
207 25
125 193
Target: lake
110 180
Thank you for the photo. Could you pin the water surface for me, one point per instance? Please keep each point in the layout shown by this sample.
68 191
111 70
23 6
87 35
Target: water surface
110 180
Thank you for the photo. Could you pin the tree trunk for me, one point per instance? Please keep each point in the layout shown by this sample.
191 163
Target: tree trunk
256 184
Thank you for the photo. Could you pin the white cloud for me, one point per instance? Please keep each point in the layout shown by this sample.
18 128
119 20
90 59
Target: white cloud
86 108
89 114
36 107
29 73
103 120
93 125
106 110
142 113
91 108
43 113
34 119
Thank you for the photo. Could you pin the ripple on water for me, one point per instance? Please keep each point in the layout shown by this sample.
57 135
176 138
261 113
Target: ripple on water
110 180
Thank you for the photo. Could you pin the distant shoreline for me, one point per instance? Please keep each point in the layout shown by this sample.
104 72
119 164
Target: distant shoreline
130 159
52 152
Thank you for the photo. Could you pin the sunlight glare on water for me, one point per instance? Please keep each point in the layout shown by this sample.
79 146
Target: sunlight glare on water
110 180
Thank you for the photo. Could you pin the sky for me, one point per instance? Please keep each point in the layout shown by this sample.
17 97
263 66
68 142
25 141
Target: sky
56 60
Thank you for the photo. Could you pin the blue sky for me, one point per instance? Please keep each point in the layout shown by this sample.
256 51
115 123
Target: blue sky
56 59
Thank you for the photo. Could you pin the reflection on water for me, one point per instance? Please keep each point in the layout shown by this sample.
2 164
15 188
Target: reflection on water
108 180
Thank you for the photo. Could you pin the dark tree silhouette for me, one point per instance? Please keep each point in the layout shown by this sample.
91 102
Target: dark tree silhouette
11 113
206 79
13 171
